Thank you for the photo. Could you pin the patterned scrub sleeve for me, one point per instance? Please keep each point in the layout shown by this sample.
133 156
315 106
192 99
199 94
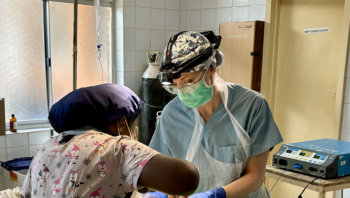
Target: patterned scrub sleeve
26 187
27 184
135 156
92 164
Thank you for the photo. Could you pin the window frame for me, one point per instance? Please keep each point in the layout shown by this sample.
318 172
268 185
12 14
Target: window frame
44 123
103 3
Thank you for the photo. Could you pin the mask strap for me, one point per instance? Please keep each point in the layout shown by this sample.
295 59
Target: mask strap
118 128
207 68
128 128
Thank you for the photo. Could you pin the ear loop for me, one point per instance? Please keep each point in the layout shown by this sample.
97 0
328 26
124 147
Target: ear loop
128 128
126 122
118 128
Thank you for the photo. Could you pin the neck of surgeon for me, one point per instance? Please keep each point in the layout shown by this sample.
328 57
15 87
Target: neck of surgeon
208 108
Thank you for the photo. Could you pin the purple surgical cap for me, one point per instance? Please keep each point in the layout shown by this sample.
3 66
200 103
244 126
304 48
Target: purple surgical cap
94 106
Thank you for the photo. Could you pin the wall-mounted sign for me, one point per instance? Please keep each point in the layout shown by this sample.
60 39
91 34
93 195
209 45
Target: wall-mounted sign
238 36
317 30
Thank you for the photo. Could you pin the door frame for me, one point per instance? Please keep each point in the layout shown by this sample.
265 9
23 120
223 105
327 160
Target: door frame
269 66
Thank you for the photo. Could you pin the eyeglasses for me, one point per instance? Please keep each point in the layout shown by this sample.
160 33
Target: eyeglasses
174 89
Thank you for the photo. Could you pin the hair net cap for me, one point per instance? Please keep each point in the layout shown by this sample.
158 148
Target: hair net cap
189 45
94 106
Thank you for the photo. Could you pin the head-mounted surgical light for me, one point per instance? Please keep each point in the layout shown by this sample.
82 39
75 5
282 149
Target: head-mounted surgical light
167 73
165 78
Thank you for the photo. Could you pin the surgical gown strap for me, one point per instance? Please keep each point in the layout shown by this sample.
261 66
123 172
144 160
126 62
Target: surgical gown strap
243 137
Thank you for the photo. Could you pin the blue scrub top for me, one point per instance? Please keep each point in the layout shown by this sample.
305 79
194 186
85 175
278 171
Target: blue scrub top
175 127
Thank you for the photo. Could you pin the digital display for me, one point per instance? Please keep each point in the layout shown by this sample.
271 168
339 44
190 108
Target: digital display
302 154
289 151
317 157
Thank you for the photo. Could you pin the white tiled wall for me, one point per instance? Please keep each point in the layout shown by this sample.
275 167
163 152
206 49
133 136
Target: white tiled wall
346 110
2 142
201 15
17 140
38 138
17 152
20 145
144 25
345 135
3 156
2 181
147 25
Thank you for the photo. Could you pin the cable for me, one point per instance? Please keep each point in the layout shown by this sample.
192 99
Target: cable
331 170
295 167
342 193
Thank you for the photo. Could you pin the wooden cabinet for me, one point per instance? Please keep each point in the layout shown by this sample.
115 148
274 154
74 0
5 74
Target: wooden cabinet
242 45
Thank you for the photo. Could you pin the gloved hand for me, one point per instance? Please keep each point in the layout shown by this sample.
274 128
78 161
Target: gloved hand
154 195
215 193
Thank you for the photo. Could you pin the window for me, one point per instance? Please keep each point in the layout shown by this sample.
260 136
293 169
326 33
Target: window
22 61
22 58
89 68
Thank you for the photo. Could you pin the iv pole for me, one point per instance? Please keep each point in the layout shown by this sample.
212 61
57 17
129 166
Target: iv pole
75 45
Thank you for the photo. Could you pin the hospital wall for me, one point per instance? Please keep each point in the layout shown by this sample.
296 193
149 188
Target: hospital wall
24 143
144 25
202 15
346 111
345 133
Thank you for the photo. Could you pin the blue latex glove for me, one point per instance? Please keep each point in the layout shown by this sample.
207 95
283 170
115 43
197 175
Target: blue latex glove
154 195
215 193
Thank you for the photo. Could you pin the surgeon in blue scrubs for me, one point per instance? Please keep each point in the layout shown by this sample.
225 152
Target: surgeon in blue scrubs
224 129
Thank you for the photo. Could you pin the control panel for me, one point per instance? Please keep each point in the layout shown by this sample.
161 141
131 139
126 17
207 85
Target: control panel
325 158
306 156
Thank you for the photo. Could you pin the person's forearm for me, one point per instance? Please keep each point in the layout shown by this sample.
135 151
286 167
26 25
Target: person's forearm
243 186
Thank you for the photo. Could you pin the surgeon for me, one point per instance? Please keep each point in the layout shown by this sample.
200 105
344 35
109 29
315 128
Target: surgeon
95 154
225 130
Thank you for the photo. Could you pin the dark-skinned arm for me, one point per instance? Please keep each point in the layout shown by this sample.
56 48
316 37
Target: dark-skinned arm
169 175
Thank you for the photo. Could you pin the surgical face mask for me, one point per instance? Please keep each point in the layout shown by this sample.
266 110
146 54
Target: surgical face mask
196 95
126 122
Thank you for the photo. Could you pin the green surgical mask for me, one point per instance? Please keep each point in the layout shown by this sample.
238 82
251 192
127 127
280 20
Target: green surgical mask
196 95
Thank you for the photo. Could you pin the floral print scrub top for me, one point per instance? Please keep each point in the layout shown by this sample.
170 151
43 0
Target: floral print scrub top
90 165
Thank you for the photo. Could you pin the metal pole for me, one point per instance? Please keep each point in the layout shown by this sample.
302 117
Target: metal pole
47 49
114 43
75 45
342 193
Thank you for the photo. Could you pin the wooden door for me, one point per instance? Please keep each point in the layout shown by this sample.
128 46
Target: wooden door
237 44
307 66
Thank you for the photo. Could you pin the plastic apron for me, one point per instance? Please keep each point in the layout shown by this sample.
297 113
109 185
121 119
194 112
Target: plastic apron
214 173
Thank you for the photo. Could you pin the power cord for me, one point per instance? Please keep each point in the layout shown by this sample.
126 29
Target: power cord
331 170
295 167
